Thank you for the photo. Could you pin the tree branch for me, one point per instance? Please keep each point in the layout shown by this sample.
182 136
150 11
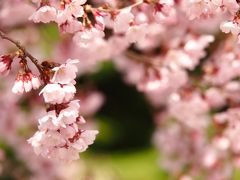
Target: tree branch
26 53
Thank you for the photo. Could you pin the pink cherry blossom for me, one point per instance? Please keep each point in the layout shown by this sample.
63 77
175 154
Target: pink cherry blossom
44 14
57 94
70 25
136 33
74 8
70 114
87 37
122 21
230 5
230 26
65 73
215 97
62 135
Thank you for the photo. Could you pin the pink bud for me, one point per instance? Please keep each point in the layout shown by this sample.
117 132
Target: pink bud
5 64
26 82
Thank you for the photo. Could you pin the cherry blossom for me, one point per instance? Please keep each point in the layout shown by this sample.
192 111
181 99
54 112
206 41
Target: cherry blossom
65 73
57 93
44 14
136 33
122 21
87 37
74 8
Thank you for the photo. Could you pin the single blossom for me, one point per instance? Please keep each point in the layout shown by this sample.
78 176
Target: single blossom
136 33
57 93
74 8
71 25
49 122
66 73
70 114
44 14
122 21
87 37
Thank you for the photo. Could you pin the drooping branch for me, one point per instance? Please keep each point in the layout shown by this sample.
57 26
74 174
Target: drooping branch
25 52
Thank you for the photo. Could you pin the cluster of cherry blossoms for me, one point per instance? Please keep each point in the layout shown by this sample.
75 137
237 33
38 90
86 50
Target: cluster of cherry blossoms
201 120
89 24
60 135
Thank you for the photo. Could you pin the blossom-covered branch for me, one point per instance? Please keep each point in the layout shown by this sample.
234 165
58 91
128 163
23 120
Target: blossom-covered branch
59 136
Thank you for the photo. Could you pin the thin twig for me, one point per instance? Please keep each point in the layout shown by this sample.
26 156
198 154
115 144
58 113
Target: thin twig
110 10
141 59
